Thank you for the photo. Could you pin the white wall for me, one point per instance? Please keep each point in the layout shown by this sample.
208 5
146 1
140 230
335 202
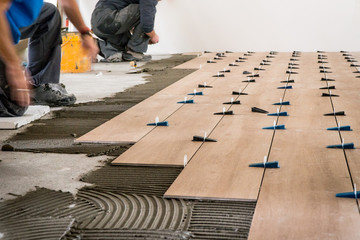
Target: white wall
259 25
87 7
51 1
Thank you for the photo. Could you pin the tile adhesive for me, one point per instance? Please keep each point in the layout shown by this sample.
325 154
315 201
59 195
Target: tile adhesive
124 202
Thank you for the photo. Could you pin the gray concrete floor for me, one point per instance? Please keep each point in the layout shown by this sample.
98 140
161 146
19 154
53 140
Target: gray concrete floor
104 80
21 172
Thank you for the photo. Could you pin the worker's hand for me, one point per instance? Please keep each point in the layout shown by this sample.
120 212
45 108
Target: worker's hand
18 84
154 39
89 44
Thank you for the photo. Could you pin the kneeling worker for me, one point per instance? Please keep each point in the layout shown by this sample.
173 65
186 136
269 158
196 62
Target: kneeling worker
126 28
41 22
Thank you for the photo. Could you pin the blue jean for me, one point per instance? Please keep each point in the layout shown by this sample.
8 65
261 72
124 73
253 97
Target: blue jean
44 56
44 46
113 26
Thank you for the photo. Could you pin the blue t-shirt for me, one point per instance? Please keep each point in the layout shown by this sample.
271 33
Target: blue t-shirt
22 13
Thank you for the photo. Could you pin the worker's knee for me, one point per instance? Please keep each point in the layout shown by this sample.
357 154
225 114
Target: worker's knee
106 21
133 9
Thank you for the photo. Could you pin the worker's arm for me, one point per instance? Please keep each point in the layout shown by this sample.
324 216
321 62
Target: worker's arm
154 38
147 19
19 87
72 11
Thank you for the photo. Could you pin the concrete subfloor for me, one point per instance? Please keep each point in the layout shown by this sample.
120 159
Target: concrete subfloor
46 159
22 172
102 76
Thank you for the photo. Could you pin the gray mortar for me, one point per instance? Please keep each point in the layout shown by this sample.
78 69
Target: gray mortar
221 220
133 180
122 216
124 234
57 133
39 203
36 228
125 202
125 211
115 215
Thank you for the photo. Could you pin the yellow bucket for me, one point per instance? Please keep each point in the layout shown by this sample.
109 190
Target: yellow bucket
74 58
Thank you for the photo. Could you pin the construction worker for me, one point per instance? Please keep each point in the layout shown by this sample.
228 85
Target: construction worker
41 22
126 28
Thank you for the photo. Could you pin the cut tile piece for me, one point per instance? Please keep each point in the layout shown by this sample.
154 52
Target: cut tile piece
33 113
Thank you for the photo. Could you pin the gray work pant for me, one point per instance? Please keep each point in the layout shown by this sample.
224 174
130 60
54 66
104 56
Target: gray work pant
43 59
113 26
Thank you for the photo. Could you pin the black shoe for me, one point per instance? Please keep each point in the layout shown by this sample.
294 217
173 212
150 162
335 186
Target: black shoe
53 95
129 55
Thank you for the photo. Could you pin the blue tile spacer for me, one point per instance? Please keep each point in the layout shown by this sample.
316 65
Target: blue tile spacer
341 128
282 103
166 123
279 127
348 194
197 93
285 87
278 114
266 165
187 101
343 146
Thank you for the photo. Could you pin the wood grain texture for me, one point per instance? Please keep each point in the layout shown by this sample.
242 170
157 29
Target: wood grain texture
167 146
130 126
348 88
221 171
352 155
307 104
298 200
233 81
